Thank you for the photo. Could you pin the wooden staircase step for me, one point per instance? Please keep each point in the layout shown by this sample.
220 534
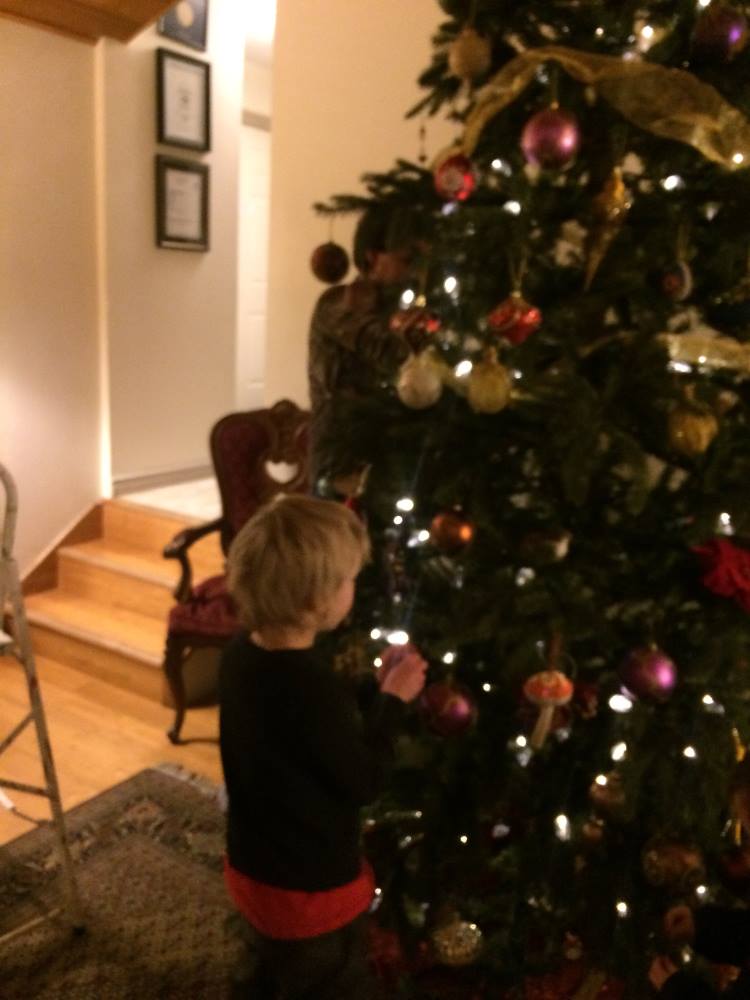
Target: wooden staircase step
110 572
115 644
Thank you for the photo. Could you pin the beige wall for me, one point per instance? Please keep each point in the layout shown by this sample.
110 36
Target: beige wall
344 74
171 314
49 397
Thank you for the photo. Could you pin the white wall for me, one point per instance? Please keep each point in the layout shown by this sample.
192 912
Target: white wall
49 396
344 74
171 314
254 213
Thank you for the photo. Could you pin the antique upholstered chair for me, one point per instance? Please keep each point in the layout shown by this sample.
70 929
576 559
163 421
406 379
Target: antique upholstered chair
255 455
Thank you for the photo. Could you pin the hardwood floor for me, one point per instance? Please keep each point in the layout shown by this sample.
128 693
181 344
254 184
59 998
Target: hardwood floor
100 735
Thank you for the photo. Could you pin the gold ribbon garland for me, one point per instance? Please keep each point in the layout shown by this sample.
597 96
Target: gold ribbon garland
670 103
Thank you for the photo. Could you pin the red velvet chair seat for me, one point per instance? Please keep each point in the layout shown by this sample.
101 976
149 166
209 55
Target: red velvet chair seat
209 612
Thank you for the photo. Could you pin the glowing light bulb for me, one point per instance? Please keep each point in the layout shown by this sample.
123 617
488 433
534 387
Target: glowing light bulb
398 638
619 703
738 158
601 780
450 284
690 752
704 3
672 182
521 741
424 535
375 634
398 519
702 359
512 207
406 504
599 32
619 750
701 890
449 657
708 700
407 297
487 688
622 908
679 366
464 839
378 661
647 31
562 827
463 368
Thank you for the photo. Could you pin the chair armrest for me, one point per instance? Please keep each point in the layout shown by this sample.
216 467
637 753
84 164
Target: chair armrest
178 549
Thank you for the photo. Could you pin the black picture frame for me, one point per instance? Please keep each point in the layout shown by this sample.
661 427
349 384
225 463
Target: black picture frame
187 23
183 101
182 199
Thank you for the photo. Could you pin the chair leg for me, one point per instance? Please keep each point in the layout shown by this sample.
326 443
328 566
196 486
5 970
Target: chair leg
174 661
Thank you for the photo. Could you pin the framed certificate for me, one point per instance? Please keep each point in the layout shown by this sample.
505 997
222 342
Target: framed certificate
183 113
186 22
181 204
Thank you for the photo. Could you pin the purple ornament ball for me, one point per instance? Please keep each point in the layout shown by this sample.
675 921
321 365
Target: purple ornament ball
649 673
720 33
448 709
551 138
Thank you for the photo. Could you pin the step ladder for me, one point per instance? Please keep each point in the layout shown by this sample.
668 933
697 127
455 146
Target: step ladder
18 644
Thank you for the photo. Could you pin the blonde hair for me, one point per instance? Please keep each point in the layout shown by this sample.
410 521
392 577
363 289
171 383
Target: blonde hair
292 557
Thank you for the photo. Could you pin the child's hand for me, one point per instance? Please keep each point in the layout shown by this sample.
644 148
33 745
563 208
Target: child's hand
402 673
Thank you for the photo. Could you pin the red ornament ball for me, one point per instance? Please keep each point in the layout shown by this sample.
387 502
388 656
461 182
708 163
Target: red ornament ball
329 262
551 138
649 674
515 319
450 531
720 33
455 178
734 869
449 709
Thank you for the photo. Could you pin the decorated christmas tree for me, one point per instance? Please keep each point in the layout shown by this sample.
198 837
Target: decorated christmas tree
557 491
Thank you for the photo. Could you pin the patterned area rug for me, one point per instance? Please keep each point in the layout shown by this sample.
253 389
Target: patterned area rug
158 922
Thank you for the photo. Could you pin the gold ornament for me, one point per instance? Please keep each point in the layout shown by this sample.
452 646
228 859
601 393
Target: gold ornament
420 384
704 347
489 385
670 103
457 943
692 427
470 55
611 208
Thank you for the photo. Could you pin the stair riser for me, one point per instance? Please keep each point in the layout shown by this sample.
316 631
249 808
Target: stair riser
115 668
144 529
108 585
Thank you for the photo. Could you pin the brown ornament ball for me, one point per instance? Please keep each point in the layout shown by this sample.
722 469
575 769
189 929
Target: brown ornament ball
329 263
470 55
673 865
593 831
451 531
457 943
608 795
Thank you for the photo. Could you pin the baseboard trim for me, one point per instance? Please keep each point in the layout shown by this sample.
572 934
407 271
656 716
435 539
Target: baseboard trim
152 481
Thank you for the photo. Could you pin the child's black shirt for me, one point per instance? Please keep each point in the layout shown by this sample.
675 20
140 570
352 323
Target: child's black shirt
299 761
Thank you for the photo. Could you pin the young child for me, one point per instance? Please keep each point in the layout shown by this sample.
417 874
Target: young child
298 759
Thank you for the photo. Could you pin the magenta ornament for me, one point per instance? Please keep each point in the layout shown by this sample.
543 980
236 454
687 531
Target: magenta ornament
551 138
449 709
720 33
649 673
